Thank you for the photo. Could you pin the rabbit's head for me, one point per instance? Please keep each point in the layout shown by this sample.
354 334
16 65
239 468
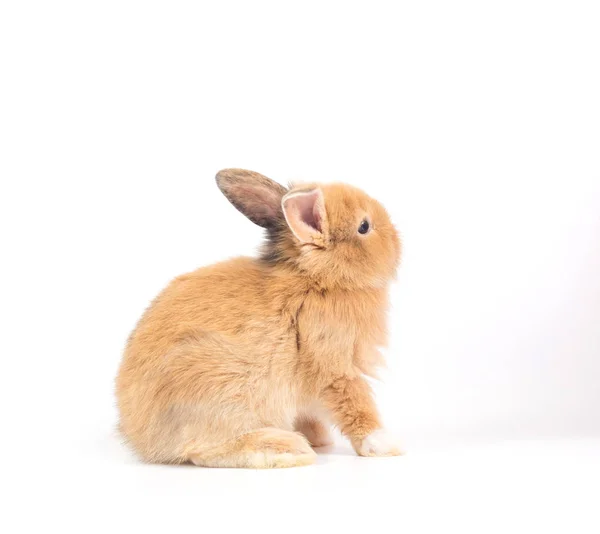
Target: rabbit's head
334 234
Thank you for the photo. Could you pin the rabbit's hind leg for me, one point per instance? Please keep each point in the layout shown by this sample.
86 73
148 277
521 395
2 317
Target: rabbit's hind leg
260 449
316 431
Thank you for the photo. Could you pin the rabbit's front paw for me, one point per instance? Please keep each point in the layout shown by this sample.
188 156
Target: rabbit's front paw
379 443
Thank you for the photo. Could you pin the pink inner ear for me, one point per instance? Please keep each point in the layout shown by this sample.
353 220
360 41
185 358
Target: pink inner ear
309 210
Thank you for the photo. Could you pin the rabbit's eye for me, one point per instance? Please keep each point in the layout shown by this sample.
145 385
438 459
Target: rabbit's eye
364 227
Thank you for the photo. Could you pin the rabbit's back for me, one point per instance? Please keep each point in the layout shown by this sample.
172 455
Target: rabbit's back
235 298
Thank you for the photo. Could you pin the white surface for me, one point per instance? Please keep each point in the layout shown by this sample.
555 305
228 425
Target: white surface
484 486
475 122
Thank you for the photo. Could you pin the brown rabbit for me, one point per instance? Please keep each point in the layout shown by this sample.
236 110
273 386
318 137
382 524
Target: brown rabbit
245 363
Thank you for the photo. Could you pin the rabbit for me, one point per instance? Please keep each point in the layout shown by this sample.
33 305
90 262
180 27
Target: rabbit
248 363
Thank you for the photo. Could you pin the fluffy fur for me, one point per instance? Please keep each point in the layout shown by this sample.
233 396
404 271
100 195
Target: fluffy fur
247 363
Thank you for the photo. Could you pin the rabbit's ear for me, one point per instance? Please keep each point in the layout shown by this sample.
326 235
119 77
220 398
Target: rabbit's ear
254 195
305 214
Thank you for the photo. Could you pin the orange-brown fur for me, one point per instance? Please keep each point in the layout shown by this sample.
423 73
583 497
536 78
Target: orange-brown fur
231 360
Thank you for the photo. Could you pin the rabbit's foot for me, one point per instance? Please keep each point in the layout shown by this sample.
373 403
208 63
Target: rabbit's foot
378 443
261 449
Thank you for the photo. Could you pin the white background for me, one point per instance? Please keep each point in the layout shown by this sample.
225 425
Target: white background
476 123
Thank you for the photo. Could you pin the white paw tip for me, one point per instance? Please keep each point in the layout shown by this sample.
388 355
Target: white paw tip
380 443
